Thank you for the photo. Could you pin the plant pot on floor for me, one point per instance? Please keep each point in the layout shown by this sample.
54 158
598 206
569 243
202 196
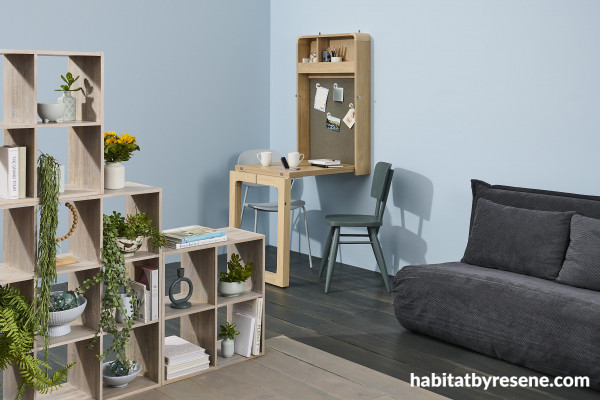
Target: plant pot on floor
114 175
129 246
127 306
119 381
231 289
227 348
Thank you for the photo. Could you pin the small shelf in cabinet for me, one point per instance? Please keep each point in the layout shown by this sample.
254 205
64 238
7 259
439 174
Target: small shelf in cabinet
10 274
66 392
236 358
136 324
73 192
244 296
344 67
80 265
186 376
26 202
41 124
196 307
78 333
130 188
139 384
142 255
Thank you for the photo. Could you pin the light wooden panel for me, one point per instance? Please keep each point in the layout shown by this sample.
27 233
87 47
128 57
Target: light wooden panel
90 106
303 115
145 348
27 138
254 252
20 97
91 315
362 88
201 329
86 156
151 204
85 242
20 238
86 374
201 268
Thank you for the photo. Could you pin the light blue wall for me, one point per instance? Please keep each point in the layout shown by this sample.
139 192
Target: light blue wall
506 91
189 79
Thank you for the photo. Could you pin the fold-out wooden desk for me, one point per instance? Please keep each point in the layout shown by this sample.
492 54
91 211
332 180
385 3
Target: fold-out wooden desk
280 179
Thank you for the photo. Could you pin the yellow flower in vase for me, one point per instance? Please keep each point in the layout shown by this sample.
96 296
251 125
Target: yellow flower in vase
126 138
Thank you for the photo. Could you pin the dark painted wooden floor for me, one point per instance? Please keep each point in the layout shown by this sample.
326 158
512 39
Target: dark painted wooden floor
355 321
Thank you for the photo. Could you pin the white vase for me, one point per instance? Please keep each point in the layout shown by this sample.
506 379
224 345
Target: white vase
227 348
70 111
127 306
114 175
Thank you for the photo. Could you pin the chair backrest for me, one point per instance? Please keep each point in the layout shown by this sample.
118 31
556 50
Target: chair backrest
249 157
380 188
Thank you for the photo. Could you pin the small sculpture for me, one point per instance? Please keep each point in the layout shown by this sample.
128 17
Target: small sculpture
66 260
181 303
313 57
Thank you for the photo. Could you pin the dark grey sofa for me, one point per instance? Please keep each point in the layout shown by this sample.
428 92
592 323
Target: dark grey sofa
535 317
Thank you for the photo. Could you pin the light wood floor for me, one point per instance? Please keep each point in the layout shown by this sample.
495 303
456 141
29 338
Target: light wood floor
291 370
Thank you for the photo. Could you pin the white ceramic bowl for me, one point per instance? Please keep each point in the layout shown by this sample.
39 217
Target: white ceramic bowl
231 289
60 320
128 247
119 381
51 112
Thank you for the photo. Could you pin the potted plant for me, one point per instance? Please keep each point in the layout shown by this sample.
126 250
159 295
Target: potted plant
228 334
117 148
231 283
131 230
19 325
70 101
116 282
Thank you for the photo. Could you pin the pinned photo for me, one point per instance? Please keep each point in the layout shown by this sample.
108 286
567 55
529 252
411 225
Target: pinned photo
332 123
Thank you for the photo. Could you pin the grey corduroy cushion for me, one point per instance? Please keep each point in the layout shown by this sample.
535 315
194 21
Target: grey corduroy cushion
529 242
534 322
582 263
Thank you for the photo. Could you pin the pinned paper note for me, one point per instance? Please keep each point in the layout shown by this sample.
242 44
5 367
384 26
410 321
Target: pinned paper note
321 98
350 116
338 93
332 123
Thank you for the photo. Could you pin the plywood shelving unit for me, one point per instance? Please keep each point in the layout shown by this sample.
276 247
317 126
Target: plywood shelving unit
85 190
356 66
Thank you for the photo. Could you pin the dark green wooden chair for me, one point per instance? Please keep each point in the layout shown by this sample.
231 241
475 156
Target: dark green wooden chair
382 179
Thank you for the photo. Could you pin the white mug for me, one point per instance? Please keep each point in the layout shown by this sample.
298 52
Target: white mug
265 158
295 158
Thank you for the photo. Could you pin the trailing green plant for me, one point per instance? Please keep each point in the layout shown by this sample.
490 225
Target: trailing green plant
19 325
69 80
228 331
236 271
115 279
45 269
132 226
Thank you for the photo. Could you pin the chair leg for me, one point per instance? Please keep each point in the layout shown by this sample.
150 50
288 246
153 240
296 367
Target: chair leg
255 219
332 256
326 250
379 257
307 238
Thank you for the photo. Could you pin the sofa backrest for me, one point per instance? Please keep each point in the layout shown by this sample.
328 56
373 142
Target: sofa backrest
534 199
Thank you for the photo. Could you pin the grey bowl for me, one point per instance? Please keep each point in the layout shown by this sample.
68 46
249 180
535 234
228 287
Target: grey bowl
119 381
60 320
51 112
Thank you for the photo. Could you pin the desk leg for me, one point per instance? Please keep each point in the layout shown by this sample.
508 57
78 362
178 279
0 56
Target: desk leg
282 277
235 200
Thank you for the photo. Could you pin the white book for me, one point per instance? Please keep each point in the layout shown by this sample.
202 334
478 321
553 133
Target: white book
178 350
149 276
187 371
245 340
9 172
144 302
22 170
174 368
178 246
252 308
325 162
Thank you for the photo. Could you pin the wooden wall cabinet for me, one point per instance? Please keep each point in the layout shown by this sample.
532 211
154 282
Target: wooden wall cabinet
85 190
355 66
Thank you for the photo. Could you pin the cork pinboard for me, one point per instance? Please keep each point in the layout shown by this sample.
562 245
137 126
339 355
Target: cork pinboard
326 143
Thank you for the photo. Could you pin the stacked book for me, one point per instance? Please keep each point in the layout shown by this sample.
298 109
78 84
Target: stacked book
13 167
194 235
248 316
183 358
326 163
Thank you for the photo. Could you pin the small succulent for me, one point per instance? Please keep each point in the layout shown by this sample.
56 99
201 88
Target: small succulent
117 368
228 331
69 80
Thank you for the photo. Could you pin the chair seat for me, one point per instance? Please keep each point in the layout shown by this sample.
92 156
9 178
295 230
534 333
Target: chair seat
272 207
367 221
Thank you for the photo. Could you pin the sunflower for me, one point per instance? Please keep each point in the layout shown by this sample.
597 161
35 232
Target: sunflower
126 138
110 140
109 134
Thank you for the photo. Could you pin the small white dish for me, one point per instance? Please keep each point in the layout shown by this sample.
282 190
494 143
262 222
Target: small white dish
51 112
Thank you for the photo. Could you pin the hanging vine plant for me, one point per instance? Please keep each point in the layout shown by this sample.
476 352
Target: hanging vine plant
115 278
45 270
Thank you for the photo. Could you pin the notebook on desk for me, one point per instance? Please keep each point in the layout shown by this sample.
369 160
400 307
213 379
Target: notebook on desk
326 162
